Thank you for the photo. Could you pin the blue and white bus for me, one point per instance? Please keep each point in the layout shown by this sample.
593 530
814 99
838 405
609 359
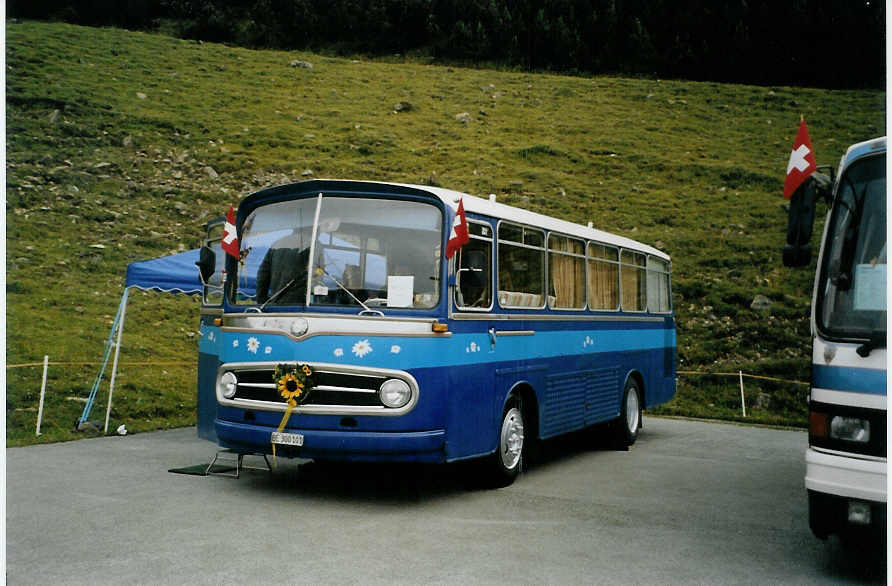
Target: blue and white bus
534 328
846 456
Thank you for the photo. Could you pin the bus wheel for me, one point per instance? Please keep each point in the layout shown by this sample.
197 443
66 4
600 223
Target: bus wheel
626 427
507 461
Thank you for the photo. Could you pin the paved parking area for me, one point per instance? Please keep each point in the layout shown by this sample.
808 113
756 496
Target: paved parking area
692 502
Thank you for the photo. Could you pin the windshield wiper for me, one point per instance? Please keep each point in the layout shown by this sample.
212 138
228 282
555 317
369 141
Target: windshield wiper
365 308
277 293
877 340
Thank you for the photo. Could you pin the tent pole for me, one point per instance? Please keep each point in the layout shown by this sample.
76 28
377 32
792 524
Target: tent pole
111 386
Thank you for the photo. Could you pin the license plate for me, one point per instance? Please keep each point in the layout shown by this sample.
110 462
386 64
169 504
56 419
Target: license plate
288 439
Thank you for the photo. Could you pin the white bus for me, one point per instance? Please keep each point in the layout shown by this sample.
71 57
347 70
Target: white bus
846 457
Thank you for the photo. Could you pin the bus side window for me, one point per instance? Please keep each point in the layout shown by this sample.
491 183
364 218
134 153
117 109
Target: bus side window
210 265
521 266
603 277
474 273
658 300
566 260
633 280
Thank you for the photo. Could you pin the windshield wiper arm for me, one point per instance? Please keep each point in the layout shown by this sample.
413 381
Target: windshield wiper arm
365 308
277 293
877 340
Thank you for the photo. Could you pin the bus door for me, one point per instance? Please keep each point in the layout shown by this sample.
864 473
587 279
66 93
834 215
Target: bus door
210 268
472 300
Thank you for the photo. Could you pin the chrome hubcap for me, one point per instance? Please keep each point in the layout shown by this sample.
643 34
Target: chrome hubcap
511 439
632 413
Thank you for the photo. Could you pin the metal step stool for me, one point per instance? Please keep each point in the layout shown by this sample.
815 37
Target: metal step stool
235 458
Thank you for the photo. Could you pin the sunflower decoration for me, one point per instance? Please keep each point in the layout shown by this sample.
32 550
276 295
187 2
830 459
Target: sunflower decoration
294 383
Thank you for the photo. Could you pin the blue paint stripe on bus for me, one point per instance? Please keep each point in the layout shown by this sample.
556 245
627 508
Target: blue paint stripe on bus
854 380
458 349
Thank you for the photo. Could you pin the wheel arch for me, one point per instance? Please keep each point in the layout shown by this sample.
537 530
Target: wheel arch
639 379
524 391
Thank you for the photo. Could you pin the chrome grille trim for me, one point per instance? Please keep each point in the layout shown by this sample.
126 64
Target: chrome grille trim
343 389
258 385
263 396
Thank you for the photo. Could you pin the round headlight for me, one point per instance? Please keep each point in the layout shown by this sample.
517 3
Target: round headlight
395 393
228 385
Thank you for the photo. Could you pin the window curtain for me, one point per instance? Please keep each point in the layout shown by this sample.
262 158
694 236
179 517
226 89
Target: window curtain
567 275
603 285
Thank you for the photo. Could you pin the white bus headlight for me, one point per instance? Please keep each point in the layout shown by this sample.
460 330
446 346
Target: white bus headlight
228 385
395 393
850 429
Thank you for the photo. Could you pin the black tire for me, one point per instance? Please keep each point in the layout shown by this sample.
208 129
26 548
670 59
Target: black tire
625 429
506 463
820 515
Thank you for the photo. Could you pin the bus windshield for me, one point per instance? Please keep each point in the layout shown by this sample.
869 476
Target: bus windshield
365 253
852 290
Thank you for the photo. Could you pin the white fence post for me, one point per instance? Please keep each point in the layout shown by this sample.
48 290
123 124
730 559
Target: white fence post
742 400
46 360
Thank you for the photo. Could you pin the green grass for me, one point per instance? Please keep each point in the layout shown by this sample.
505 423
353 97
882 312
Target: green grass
110 132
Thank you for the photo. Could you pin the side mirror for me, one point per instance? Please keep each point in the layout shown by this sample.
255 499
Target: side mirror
207 260
801 219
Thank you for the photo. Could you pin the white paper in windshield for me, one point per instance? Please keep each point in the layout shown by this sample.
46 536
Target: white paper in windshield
400 291
870 287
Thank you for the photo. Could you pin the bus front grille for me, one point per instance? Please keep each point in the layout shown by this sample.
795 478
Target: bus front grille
336 389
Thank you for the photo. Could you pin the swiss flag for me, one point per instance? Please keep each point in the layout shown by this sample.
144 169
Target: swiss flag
230 238
458 237
802 161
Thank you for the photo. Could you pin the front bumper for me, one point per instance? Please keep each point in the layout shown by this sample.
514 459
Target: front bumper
835 484
844 476
417 446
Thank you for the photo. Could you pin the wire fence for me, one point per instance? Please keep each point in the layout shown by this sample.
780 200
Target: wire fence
47 365
744 375
94 363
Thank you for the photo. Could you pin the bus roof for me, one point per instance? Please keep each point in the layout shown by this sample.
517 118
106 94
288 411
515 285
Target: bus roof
485 207
478 205
862 149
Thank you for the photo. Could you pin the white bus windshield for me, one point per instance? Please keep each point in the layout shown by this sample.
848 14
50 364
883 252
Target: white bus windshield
367 253
852 290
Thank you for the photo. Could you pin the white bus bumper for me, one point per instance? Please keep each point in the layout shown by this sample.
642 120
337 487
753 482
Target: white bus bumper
845 476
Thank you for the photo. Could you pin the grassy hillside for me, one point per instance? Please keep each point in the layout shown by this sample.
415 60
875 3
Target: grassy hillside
120 145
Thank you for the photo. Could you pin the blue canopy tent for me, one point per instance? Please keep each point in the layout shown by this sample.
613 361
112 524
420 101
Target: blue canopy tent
176 273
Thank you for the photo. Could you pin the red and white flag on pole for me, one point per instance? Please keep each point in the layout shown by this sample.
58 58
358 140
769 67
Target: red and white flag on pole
802 161
230 237
458 237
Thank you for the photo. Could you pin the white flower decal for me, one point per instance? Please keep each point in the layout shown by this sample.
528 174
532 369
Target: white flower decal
235 343
253 344
472 348
588 342
338 352
395 349
268 350
361 348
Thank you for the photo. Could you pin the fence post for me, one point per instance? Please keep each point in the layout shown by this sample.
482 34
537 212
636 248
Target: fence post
742 400
46 360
